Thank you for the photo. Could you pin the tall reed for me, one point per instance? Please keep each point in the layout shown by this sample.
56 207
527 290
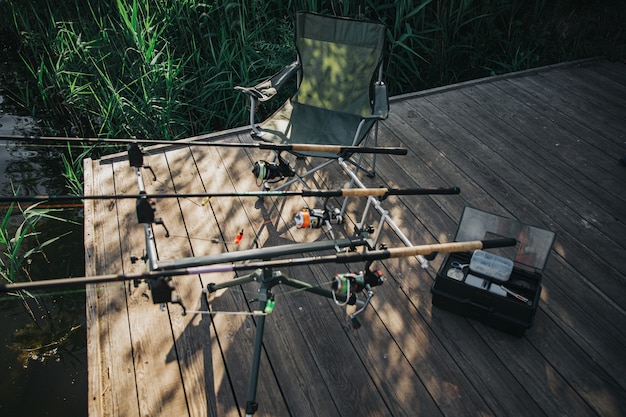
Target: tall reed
21 247
167 69
20 242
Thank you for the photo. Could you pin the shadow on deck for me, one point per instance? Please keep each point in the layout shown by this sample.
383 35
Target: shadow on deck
541 146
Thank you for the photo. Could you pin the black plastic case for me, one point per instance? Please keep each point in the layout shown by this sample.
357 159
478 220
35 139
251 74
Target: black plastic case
509 305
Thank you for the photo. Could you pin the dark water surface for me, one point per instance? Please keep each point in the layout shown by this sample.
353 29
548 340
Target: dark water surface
49 381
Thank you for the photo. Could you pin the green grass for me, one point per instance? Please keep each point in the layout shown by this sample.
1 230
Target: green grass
167 69
73 169
21 247
19 242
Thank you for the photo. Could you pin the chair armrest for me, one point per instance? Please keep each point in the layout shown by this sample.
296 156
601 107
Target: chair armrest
381 103
381 100
268 88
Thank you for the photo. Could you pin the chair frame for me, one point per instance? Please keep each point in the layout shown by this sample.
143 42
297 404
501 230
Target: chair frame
379 101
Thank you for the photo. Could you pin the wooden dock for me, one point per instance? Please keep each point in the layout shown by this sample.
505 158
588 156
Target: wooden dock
540 146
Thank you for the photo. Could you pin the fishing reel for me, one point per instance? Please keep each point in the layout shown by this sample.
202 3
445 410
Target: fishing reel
348 285
355 282
315 218
267 171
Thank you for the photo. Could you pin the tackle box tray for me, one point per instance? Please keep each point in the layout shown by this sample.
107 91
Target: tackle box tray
510 303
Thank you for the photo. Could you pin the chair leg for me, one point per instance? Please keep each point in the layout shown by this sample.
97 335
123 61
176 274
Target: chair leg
373 171
359 163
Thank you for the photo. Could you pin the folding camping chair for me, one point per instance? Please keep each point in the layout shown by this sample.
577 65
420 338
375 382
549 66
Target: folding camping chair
340 95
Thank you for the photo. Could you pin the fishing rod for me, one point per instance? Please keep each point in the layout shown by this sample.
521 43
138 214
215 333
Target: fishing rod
382 193
344 257
54 206
197 141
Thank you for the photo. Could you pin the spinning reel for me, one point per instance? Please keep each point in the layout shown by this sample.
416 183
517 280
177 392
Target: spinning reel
315 218
350 284
267 171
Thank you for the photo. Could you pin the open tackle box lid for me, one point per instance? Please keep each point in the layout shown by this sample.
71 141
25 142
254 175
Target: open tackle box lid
534 244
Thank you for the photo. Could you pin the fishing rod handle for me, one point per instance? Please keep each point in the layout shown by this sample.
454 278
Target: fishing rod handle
451 247
306 147
425 250
383 192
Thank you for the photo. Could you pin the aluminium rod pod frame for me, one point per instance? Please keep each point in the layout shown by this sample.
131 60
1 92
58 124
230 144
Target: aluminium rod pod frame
267 278
384 214
160 288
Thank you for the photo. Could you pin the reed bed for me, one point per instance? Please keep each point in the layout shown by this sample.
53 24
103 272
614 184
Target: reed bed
53 328
168 69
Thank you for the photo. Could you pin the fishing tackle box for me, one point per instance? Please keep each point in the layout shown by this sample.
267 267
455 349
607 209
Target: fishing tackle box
505 297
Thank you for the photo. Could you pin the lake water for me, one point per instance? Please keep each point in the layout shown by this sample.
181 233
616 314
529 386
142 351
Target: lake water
49 381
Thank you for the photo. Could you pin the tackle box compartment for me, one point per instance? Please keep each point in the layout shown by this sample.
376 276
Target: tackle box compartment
510 303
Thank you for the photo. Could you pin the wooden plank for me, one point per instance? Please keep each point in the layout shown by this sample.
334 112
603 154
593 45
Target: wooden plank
94 405
236 333
486 372
609 72
561 142
112 386
573 362
159 383
594 90
408 359
192 347
446 125
550 175
591 177
587 118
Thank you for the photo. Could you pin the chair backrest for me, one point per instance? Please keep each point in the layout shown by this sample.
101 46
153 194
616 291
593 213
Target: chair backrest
339 60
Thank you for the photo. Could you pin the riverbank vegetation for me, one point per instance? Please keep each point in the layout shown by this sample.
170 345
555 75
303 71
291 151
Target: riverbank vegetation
167 69
22 255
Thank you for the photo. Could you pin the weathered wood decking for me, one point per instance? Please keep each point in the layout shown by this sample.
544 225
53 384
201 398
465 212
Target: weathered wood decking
541 146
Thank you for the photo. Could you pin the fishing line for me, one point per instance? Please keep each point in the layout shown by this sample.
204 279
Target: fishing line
227 313
293 291
172 191
256 312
